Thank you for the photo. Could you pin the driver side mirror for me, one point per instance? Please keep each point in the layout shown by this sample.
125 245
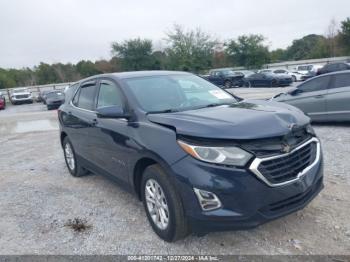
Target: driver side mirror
112 112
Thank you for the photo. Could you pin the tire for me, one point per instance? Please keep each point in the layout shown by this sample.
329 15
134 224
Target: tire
247 84
227 84
48 108
76 169
273 83
294 78
169 205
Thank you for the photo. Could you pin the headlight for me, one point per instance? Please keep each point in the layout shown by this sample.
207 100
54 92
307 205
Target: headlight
217 155
310 130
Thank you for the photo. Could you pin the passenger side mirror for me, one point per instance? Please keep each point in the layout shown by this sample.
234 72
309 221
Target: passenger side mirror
296 91
112 112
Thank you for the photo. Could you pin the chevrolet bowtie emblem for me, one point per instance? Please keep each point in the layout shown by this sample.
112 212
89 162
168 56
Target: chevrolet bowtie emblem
286 148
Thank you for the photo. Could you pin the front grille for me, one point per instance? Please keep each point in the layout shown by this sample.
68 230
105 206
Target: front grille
293 201
285 168
21 96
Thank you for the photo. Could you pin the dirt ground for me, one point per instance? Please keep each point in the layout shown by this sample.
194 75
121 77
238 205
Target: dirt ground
40 202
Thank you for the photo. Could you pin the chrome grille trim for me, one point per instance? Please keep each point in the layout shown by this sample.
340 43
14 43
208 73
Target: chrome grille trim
257 161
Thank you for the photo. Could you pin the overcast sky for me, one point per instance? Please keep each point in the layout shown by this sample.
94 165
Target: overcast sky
51 31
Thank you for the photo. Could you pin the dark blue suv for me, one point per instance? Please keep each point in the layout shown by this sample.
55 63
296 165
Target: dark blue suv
198 157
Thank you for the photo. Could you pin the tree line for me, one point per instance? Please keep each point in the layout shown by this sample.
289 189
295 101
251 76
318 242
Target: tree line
186 50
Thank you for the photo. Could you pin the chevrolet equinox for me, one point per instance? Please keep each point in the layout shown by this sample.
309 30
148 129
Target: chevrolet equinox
199 158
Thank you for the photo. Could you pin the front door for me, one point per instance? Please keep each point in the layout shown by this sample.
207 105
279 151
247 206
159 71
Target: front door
312 97
110 137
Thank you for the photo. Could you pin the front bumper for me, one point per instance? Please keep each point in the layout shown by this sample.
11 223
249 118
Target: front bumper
22 100
246 200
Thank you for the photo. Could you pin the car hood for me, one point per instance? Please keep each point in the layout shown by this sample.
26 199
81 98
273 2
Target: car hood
55 99
249 119
304 72
21 93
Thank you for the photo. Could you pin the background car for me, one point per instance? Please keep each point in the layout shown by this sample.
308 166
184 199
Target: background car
333 67
21 95
323 98
225 77
308 71
54 99
295 75
2 101
267 80
42 96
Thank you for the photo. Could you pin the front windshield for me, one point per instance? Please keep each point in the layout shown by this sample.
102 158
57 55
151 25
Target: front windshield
176 93
20 90
305 68
55 94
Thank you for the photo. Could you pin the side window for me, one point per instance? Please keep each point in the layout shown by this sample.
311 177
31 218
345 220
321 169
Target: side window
317 84
332 67
86 97
71 91
76 98
342 67
109 95
341 80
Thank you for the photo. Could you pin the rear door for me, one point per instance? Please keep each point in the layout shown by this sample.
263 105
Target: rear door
81 117
312 97
338 98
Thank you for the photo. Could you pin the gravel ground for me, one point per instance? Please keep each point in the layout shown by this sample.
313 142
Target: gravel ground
39 198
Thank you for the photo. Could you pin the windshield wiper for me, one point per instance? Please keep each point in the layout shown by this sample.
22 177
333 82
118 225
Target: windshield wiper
215 105
163 111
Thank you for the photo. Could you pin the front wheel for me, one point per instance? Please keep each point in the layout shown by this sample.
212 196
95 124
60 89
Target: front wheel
247 84
294 78
163 205
274 83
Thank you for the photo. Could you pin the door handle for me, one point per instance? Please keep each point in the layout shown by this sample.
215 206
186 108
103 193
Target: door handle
319 96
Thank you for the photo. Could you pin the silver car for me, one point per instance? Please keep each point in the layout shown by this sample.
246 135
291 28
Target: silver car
323 98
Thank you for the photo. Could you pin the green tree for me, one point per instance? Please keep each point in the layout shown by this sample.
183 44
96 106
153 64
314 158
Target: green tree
134 54
87 68
309 47
277 55
248 51
46 74
189 50
5 80
344 36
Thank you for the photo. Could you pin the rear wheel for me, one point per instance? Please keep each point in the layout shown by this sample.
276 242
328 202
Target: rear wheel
247 84
227 84
73 165
163 205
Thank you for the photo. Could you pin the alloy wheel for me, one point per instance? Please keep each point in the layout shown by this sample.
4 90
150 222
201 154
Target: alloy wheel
69 156
157 204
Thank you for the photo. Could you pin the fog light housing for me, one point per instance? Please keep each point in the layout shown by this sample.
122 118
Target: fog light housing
207 200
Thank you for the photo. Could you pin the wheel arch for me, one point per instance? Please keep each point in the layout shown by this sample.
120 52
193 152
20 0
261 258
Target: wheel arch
140 166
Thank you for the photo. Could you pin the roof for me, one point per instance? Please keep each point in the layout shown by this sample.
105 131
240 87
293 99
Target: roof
146 73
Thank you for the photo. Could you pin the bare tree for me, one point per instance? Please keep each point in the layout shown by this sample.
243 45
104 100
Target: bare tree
331 34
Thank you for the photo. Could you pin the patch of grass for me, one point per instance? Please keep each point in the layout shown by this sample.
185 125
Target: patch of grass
78 224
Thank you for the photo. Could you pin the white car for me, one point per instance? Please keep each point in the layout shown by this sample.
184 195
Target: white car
308 71
296 76
21 95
